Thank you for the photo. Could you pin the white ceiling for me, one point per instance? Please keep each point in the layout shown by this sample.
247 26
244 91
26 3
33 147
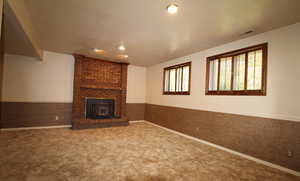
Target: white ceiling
149 33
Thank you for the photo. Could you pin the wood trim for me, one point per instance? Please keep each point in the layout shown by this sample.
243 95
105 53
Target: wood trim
246 72
239 51
164 81
176 80
265 71
178 65
232 72
189 64
169 81
177 93
181 78
261 92
207 77
190 77
219 66
236 93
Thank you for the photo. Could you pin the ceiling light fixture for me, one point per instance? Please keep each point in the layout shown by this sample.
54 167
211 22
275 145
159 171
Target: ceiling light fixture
172 8
97 50
122 48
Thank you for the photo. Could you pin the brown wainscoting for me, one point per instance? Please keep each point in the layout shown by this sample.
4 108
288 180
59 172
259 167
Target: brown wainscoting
135 111
263 138
27 114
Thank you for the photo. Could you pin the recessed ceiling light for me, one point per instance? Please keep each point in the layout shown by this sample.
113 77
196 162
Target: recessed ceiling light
97 50
122 56
122 48
172 8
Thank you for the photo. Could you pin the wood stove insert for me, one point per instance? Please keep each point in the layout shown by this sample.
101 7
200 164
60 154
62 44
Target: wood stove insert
100 108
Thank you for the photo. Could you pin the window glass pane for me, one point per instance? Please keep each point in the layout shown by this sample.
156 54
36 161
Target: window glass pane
172 80
254 70
258 70
166 80
250 80
239 72
177 79
178 82
213 74
185 83
225 73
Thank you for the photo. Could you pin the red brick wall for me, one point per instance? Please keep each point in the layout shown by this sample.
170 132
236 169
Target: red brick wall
98 79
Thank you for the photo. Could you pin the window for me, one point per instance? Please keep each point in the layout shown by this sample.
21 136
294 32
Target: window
177 79
240 72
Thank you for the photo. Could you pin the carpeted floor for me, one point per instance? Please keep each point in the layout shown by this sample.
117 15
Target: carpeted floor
137 152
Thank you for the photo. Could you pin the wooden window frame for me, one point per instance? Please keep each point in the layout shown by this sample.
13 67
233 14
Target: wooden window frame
189 64
261 92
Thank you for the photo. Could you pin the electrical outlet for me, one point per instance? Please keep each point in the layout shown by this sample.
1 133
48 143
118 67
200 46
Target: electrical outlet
290 153
56 118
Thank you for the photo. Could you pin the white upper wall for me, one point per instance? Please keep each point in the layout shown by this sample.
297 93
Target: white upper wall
136 84
51 80
282 100
28 80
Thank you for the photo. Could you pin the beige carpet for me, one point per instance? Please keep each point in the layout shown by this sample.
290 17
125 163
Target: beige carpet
137 152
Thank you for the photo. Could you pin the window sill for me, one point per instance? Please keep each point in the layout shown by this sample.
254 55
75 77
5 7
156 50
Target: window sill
176 93
237 93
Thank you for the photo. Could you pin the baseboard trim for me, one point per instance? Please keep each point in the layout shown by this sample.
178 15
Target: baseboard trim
30 128
284 169
136 121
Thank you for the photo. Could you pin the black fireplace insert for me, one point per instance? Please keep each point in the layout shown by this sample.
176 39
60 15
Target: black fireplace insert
100 108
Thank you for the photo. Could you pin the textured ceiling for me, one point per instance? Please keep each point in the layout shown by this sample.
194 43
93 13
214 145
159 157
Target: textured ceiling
149 33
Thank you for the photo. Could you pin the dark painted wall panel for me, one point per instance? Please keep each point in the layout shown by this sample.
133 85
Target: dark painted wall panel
267 139
135 111
21 114
27 114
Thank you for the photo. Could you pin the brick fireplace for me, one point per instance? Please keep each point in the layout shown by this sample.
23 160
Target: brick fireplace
99 93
